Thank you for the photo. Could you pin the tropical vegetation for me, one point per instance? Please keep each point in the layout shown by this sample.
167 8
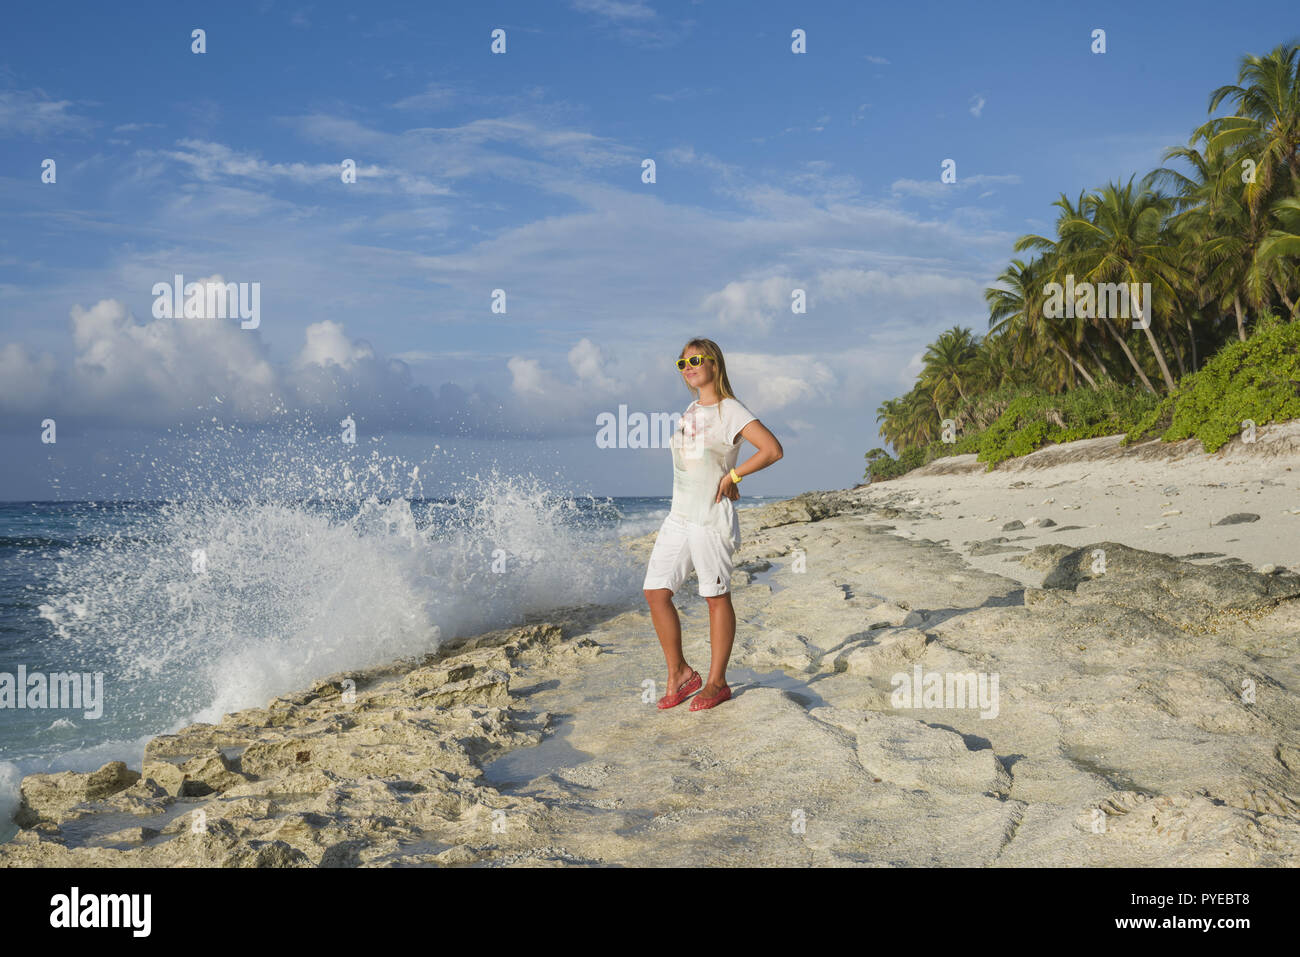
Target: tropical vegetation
1214 235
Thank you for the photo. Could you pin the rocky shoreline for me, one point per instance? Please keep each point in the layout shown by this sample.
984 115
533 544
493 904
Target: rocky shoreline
1146 713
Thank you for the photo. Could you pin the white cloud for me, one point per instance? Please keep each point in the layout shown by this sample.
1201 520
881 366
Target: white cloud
849 285
529 379
760 305
210 162
908 373
635 21
32 113
776 381
977 105
589 365
751 303
436 97
768 381
163 365
550 401
327 344
934 189
618 10
164 372
625 272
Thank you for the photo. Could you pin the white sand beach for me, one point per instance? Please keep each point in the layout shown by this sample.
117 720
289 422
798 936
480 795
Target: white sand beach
1164 497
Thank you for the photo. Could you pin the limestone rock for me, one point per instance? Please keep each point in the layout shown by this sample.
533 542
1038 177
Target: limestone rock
882 655
45 796
1159 585
198 776
1128 731
911 754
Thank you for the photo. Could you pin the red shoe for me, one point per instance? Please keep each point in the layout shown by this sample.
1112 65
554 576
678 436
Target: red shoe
688 688
701 703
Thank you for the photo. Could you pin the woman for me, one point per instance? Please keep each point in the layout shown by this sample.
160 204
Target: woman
702 530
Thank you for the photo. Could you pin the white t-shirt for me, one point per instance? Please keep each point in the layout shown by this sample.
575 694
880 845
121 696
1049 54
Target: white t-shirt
705 446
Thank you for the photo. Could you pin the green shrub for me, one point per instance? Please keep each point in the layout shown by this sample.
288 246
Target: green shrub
885 467
1258 379
1033 420
1025 421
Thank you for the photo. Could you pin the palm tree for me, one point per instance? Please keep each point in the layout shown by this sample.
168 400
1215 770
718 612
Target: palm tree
921 417
1118 239
1214 243
1015 308
1264 134
1212 229
996 365
1284 242
1054 254
947 363
889 415
1266 122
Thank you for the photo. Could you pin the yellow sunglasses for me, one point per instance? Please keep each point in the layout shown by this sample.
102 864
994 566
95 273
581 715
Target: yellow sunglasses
695 360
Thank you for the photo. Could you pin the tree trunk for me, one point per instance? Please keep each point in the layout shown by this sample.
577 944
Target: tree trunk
1178 353
1191 335
1147 325
1148 318
1132 361
1101 366
1281 291
1082 371
1241 317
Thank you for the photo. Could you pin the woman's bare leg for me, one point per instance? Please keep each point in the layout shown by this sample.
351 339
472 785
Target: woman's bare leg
722 633
669 629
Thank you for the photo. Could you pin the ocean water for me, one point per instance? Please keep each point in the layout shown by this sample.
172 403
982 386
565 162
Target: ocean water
193 607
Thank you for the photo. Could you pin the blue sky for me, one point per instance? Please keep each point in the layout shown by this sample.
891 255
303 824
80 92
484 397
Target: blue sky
522 171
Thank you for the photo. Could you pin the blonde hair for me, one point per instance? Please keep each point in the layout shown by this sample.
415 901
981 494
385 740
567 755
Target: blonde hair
710 348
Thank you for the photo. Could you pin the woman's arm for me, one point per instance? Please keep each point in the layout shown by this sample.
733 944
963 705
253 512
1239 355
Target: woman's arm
769 451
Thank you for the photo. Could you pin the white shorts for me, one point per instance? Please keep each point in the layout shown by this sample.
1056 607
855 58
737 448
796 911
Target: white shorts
681 546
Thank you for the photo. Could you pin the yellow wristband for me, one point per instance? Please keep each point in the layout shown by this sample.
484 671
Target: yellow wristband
736 476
